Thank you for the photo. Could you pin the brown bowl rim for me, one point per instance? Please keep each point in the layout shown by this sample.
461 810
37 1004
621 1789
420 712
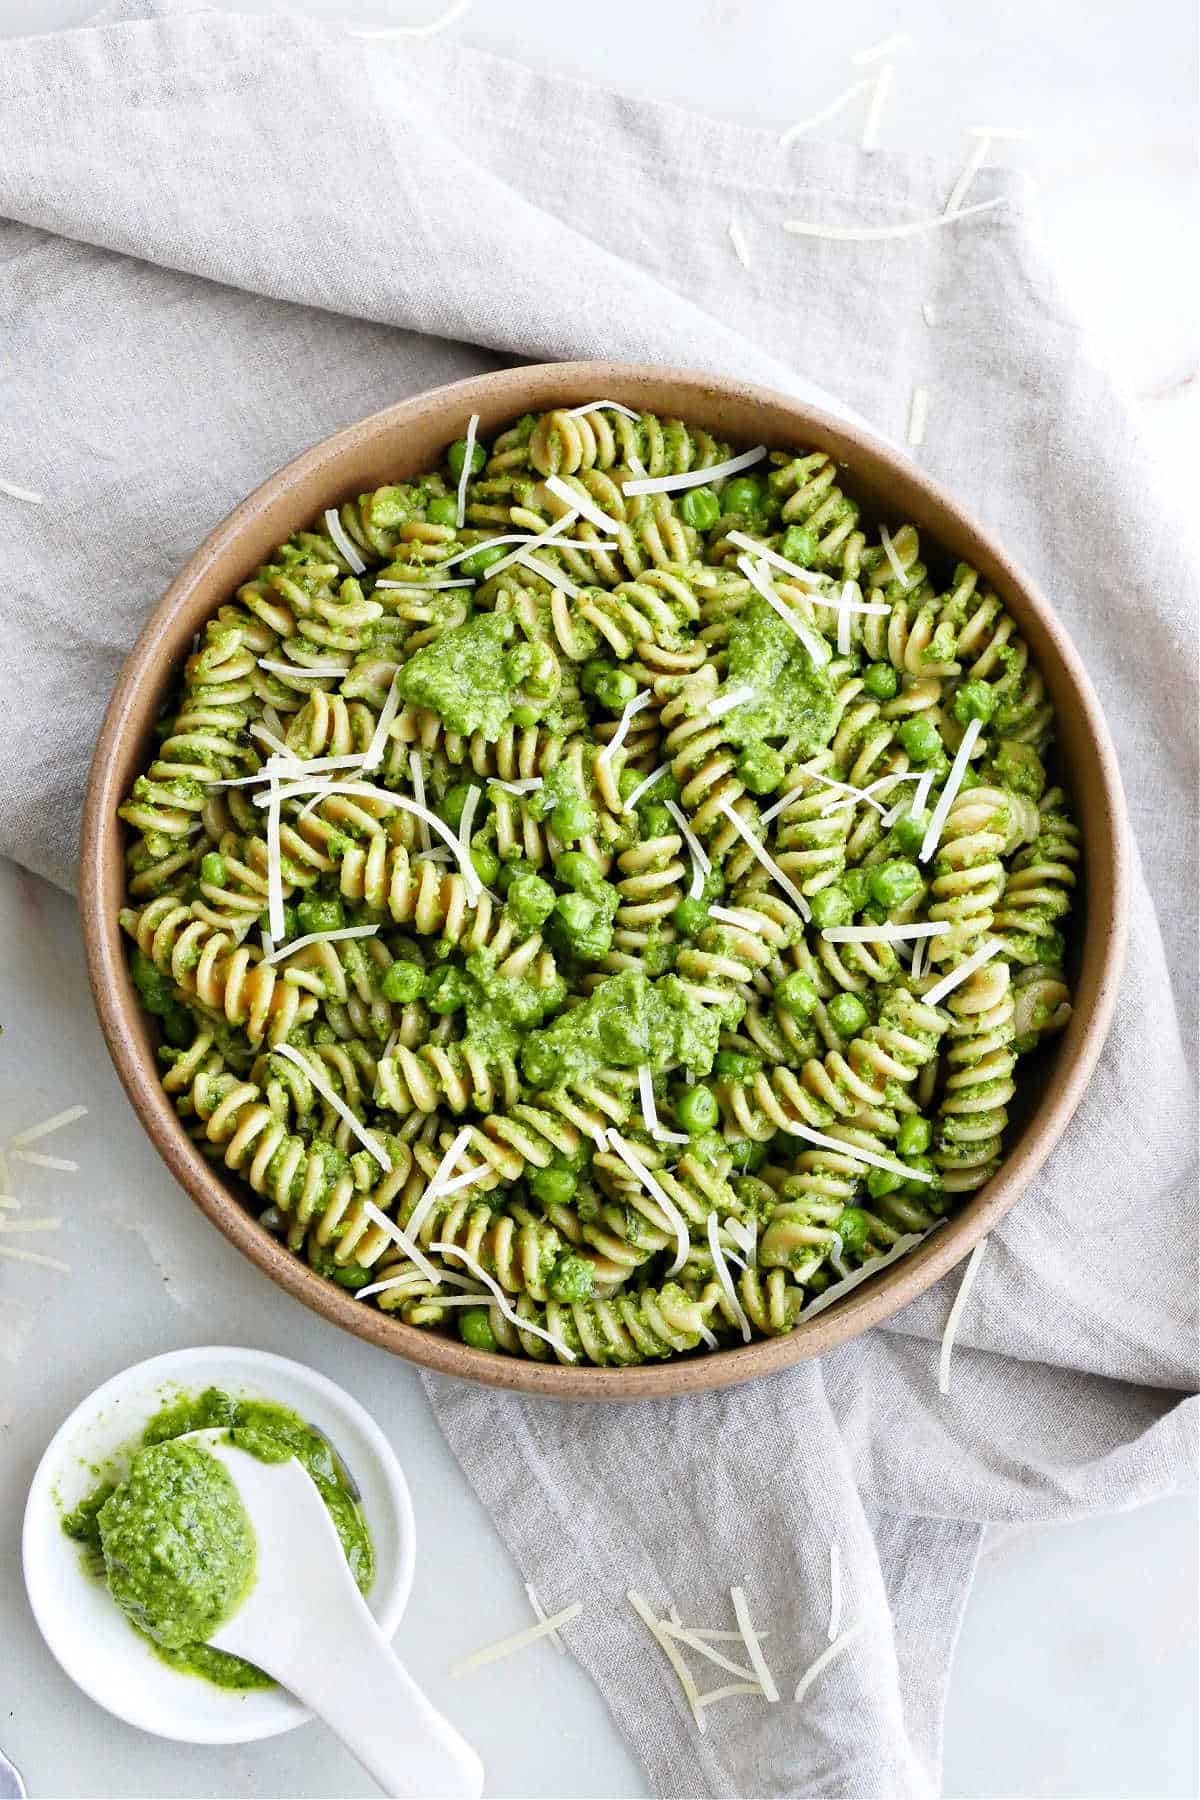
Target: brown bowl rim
508 393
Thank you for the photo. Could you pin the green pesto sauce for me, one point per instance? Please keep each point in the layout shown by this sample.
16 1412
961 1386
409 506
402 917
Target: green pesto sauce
792 699
628 1022
178 1545
462 676
271 1433
500 1009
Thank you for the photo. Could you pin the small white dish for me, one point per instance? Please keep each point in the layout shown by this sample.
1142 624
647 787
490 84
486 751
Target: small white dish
86 1631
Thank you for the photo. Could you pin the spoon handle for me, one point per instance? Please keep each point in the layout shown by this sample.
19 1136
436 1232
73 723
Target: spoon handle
356 1683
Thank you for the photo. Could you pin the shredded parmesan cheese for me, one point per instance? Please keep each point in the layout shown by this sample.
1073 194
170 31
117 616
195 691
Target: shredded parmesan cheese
865 234
958 769
548 572
899 40
736 697
918 413
413 1252
439 24
321 937
34 1256
917 968
583 505
849 589
670 484
345 548
880 934
643 786
879 100
366 791
889 550
38 1161
339 1106
520 1640
528 784
682 1672
823 1661
842 787
737 238
727 1692
19 493
460 516
422 587
956 1312
470 806
831 1295
416 768
315 671
540 1611
768 862
973 164
666 1205
835 1590
965 969
502 1300
750 1637
650 1111
827 112
700 863
578 412
629 713
817 648
731 915
856 1154
420 1211
721 1269
275 919
698 1644
379 737
55 1122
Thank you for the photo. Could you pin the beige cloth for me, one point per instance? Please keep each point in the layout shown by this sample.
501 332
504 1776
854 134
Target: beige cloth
225 237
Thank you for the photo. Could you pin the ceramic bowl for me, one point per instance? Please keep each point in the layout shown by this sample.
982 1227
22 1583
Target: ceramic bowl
85 1630
411 437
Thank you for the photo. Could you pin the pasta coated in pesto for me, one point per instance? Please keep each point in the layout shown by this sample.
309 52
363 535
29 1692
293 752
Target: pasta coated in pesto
666 904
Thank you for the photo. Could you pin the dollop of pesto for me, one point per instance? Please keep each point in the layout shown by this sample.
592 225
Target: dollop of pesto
791 697
628 1022
264 1429
463 676
178 1544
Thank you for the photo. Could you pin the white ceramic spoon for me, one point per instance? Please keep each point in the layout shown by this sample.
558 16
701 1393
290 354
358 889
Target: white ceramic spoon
305 1622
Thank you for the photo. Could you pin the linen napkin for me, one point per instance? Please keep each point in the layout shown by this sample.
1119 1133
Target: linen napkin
223 237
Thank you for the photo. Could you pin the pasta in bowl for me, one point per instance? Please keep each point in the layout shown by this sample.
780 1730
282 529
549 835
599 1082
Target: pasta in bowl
599 889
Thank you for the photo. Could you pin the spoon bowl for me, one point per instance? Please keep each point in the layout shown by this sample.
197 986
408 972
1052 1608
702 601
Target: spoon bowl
86 1631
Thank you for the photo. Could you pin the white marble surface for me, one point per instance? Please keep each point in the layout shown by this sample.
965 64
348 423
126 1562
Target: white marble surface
1076 1674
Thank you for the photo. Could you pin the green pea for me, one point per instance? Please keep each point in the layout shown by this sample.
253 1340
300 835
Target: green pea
531 901
579 872
799 545
853 1227
920 1190
525 717
892 883
455 802
446 991
919 737
747 1154
697 1110
571 819
572 1279
212 869
883 1181
352 1276
553 1186
744 494
853 883
485 862
690 917
831 906
593 672
700 508
476 566
475 1328
615 689
760 768
796 995
881 681
629 780
456 456
656 820
321 915
847 1015
402 983
915 1135
909 830
442 510
735 1067
974 700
